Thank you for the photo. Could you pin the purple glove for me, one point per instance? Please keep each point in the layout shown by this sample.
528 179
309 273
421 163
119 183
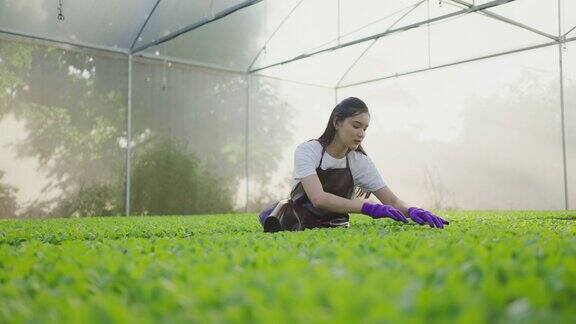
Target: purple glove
422 217
379 211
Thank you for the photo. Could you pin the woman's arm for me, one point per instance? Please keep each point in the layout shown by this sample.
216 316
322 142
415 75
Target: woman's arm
324 200
328 201
387 197
419 215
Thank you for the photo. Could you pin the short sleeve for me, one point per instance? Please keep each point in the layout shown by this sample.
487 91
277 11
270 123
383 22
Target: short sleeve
366 176
305 159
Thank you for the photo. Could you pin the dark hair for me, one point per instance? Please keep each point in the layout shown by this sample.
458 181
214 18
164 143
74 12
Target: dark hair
348 107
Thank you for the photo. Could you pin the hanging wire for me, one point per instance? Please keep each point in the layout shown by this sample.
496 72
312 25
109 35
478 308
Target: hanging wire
60 8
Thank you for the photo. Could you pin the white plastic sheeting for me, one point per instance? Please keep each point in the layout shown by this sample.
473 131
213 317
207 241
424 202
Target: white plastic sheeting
108 23
485 134
268 32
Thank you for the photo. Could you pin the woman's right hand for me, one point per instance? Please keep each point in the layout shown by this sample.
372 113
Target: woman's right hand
380 211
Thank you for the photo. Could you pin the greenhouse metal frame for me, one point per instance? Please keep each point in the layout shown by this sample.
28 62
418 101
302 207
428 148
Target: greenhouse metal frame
563 37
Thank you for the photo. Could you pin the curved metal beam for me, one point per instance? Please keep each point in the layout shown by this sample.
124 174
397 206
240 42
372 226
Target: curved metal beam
274 33
508 20
144 25
458 62
374 42
196 25
490 4
569 31
63 42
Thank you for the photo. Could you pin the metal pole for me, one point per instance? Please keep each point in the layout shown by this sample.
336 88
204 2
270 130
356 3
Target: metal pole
247 141
60 42
507 20
396 75
486 5
335 96
129 135
272 35
374 42
561 69
173 59
338 22
144 25
292 81
428 34
569 31
196 25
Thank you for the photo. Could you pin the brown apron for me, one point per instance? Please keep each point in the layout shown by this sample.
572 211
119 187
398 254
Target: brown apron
299 213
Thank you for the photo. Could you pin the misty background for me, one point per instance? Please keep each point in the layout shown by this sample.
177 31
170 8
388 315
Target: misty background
479 135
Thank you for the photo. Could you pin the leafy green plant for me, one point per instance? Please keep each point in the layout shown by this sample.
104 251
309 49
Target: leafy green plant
484 267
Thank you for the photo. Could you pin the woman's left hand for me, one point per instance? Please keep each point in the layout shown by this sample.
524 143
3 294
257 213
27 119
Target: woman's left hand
422 217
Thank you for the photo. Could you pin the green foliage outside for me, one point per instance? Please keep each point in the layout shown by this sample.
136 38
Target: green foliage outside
491 267
8 203
167 181
73 106
95 199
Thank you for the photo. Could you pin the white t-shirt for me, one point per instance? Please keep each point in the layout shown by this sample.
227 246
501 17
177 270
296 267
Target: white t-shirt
307 157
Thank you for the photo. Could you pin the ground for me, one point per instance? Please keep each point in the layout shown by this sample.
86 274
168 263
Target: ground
484 267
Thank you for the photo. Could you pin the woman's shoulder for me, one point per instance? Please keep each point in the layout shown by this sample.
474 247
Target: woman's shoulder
310 145
358 157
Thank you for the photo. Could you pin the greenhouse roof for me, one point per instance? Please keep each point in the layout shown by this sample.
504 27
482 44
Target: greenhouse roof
336 43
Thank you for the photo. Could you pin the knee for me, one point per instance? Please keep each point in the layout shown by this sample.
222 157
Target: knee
264 214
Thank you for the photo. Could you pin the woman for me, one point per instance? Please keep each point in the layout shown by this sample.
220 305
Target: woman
327 170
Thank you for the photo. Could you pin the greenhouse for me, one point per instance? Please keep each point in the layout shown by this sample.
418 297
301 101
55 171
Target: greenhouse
472 102
287 161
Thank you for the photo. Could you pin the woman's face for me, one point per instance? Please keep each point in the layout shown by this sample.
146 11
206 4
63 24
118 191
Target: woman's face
352 130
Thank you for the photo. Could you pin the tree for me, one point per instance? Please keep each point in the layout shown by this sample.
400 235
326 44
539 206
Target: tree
8 204
166 180
440 196
512 145
74 107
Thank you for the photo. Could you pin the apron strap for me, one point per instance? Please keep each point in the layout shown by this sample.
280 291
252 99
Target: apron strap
322 156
